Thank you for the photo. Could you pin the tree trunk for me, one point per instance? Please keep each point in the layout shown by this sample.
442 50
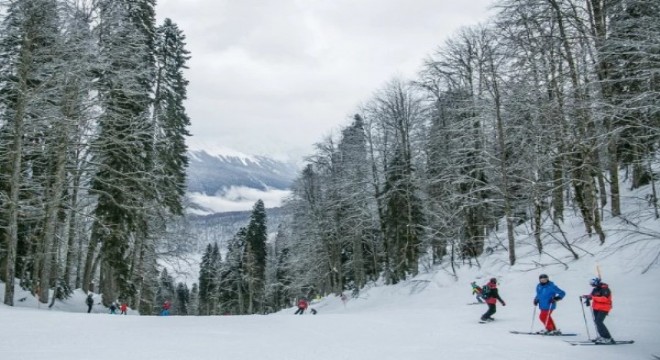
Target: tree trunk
503 164
88 274
12 206
16 161
54 202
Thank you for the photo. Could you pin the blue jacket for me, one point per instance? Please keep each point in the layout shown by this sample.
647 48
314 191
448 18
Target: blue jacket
546 292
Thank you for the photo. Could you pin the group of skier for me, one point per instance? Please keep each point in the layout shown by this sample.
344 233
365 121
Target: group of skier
547 296
123 307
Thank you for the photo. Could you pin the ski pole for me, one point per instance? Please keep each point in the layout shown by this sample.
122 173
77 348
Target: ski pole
585 317
531 328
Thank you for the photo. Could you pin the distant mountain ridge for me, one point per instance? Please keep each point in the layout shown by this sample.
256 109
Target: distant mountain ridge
212 174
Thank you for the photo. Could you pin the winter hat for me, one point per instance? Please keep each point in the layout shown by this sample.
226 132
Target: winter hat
543 276
595 281
493 280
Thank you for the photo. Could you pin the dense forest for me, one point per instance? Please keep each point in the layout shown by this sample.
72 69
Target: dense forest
92 146
522 119
519 120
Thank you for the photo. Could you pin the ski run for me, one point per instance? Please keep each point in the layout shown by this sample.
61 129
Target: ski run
423 318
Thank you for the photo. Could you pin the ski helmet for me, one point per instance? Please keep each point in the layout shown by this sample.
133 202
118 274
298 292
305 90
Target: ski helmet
595 281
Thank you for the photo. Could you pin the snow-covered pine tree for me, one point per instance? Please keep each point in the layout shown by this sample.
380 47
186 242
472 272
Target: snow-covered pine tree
630 53
166 292
278 277
232 292
255 264
123 150
170 119
182 300
193 308
80 55
208 281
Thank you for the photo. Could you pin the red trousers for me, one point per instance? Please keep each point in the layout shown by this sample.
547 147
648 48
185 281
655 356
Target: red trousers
546 319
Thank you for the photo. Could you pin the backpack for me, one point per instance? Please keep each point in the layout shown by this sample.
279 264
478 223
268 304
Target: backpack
485 291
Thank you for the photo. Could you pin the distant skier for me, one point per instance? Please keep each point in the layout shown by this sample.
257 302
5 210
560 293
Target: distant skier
166 308
123 308
492 296
547 295
90 302
113 308
476 291
601 304
302 306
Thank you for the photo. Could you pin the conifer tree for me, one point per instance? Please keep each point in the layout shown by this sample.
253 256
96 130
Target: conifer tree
209 280
182 299
124 147
233 287
166 291
193 308
170 118
255 238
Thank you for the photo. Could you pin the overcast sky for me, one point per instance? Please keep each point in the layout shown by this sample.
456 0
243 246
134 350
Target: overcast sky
273 77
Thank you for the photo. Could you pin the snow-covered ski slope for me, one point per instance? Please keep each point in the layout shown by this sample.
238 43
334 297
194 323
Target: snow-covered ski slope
426 317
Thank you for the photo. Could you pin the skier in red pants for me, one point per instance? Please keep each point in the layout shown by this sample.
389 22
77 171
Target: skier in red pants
547 295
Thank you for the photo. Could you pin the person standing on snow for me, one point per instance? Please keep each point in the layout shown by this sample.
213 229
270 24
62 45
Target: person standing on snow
90 302
302 306
547 295
123 308
492 296
601 304
166 308
113 308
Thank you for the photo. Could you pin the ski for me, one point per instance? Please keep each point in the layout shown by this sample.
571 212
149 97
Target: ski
591 342
534 333
475 303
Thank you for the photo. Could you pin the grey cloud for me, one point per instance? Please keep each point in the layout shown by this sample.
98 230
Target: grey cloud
275 76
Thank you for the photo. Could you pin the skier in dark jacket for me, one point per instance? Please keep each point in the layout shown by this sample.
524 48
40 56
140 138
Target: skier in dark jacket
90 302
601 304
113 308
491 299
547 295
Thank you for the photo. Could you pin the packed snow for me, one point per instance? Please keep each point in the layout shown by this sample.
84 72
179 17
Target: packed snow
426 317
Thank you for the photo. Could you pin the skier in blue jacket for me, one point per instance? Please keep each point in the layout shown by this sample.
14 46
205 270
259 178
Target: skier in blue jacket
547 295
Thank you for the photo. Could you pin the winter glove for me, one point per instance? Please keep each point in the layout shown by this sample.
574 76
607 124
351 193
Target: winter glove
503 303
556 298
588 297
536 301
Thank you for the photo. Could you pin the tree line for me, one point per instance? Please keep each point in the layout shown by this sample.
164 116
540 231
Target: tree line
92 146
524 118
531 115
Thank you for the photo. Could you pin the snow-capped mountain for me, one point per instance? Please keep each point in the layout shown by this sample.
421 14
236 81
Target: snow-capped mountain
225 180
